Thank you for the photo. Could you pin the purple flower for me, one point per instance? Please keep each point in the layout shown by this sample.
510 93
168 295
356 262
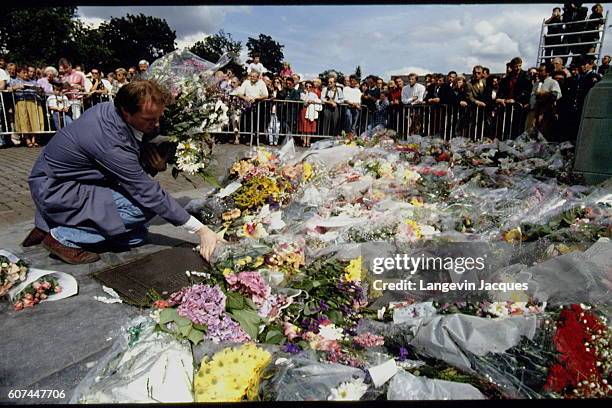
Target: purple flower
291 348
403 354
310 324
323 306
205 305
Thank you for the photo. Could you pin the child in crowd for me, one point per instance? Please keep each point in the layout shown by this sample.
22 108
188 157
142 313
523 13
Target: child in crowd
59 105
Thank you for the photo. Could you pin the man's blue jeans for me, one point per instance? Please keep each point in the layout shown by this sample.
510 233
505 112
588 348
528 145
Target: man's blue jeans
133 217
352 120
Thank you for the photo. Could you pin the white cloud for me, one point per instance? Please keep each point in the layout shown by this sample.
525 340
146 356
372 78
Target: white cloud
188 40
92 21
498 44
406 71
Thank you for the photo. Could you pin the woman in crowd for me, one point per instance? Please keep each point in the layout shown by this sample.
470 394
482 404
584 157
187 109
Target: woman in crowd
332 96
309 114
45 82
317 86
461 101
286 71
120 80
237 106
100 88
489 97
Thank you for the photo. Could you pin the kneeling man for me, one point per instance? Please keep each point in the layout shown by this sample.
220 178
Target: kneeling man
89 184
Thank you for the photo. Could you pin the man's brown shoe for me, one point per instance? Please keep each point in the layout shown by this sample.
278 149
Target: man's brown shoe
34 238
69 255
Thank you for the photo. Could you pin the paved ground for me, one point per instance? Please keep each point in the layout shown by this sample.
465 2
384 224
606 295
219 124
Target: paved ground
53 346
16 162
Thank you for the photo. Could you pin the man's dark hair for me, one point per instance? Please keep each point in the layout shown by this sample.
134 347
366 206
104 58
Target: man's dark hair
492 78
64 61
353 77
516 60
550 68
451 73
486 69
557 8
554 74
132 96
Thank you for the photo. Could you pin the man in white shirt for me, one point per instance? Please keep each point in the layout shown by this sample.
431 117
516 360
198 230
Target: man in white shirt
413 93
4 76
352 97
256 65
253 89
544 94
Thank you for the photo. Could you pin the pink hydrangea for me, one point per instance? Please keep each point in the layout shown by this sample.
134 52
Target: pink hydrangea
250 284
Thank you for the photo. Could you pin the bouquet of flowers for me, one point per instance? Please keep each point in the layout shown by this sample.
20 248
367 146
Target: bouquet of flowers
11 273
232 375
196 110
36 292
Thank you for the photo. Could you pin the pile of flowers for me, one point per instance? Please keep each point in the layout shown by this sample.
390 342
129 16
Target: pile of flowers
232 375
36 292
11 273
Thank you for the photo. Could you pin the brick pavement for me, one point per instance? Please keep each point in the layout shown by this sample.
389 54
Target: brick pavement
16 162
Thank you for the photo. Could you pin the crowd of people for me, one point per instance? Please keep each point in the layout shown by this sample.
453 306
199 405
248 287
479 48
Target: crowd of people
550 96
29 95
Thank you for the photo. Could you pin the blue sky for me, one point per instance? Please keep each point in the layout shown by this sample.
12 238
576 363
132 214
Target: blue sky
383 39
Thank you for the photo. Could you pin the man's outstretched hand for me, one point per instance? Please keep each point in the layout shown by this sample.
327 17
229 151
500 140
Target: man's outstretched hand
208 242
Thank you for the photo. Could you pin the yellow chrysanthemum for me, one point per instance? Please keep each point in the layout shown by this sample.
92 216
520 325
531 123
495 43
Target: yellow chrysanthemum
307 171
414 226
352 272
416 202
231 375
513 235
227 272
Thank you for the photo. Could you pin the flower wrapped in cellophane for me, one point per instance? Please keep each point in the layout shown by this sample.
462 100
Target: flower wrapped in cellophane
232 375
197 109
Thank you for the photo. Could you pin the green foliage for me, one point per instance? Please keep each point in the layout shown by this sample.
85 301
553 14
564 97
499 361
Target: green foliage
171 322
132 38
270 51
41 36
37 36
242 310
325 74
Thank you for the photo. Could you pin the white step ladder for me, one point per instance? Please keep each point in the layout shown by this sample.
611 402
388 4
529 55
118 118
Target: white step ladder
542 48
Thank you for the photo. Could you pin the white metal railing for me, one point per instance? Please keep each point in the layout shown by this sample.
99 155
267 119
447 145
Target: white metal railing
28 112
571 47
272 119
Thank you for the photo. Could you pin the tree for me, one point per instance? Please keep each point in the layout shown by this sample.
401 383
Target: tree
88 48
358 72
325 74
214 46
270 52
132 38
37 35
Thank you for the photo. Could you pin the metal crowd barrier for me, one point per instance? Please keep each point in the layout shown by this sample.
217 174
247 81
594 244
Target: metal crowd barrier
27 112
281 118
270 119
